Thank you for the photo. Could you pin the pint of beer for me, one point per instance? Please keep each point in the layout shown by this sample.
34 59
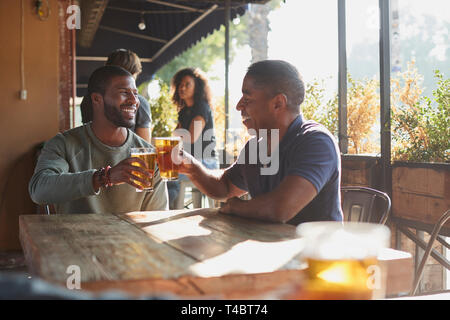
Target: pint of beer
165 148
148 155
342 260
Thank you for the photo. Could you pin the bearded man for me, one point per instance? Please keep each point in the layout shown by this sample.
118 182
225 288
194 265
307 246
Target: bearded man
88 169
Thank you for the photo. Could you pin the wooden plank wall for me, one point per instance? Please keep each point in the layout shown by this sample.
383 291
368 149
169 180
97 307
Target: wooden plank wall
421 194
359 171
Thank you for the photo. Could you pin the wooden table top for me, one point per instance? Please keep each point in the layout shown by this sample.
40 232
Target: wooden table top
184 252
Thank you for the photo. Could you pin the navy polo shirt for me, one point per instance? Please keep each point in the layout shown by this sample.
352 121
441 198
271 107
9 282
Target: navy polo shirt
308 150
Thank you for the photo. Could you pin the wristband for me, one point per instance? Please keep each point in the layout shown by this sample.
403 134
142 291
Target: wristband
108 178
103 177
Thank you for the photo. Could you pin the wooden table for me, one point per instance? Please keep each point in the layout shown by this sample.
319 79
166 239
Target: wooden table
189 253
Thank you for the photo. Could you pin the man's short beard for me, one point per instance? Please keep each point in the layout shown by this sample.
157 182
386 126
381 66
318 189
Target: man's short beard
114 115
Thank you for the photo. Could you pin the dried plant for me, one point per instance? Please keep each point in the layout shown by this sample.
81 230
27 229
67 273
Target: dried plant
236 138
362 110
421 125
406 89
363 107
219 121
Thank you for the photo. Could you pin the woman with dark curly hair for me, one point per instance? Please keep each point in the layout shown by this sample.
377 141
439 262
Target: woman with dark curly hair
192 96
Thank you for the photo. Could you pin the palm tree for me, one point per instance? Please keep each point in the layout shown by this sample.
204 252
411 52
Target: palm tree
258 31
258 27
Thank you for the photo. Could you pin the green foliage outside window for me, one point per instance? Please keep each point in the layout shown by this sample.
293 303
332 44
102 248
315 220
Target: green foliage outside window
422 128
164 112
319 108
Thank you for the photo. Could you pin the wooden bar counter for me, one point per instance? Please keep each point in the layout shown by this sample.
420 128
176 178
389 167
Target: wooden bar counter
187 253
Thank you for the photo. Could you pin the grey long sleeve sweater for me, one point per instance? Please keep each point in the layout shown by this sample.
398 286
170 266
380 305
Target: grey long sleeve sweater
63 176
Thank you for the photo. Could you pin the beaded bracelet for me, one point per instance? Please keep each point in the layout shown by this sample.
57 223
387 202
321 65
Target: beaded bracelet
104 178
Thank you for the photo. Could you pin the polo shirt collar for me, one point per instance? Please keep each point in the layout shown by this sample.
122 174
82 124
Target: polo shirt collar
293 129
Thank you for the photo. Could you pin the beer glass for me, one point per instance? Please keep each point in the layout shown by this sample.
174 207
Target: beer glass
148 155
166 148
342 260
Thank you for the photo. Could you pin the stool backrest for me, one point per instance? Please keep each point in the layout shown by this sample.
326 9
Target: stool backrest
363 204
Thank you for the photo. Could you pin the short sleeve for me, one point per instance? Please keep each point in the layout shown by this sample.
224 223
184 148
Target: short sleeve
315 158
203 110
235 173
143 116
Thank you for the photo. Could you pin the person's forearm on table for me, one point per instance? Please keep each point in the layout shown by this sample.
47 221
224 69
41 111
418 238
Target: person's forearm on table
261 207
278 205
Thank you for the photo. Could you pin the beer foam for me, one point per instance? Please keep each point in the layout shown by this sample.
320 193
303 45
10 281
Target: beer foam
334 241
342 244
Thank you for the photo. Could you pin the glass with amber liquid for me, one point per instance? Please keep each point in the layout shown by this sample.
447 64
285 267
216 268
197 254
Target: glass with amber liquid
342 260
148 155
166 149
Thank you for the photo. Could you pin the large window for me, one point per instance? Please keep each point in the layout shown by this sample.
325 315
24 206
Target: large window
421 64
363 63
304 33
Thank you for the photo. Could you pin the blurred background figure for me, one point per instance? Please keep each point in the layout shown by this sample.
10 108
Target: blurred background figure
128 60
192 96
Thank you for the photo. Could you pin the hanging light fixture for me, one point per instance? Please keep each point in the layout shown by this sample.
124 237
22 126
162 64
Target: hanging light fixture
141 24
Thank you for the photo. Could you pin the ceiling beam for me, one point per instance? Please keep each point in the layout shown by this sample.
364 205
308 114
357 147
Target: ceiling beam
174 5
151 11
133 34
92 58
182 32
233 2
90 20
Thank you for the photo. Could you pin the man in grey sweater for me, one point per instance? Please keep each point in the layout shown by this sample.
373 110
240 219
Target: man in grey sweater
88 169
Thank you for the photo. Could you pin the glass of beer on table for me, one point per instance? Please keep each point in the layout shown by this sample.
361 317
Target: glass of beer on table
167 149
342 260
148 155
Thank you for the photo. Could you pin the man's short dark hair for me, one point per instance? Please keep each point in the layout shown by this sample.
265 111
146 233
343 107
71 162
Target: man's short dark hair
98 81
101 77
279 77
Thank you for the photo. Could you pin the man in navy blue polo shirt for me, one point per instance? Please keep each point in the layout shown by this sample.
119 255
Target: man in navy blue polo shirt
291 168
